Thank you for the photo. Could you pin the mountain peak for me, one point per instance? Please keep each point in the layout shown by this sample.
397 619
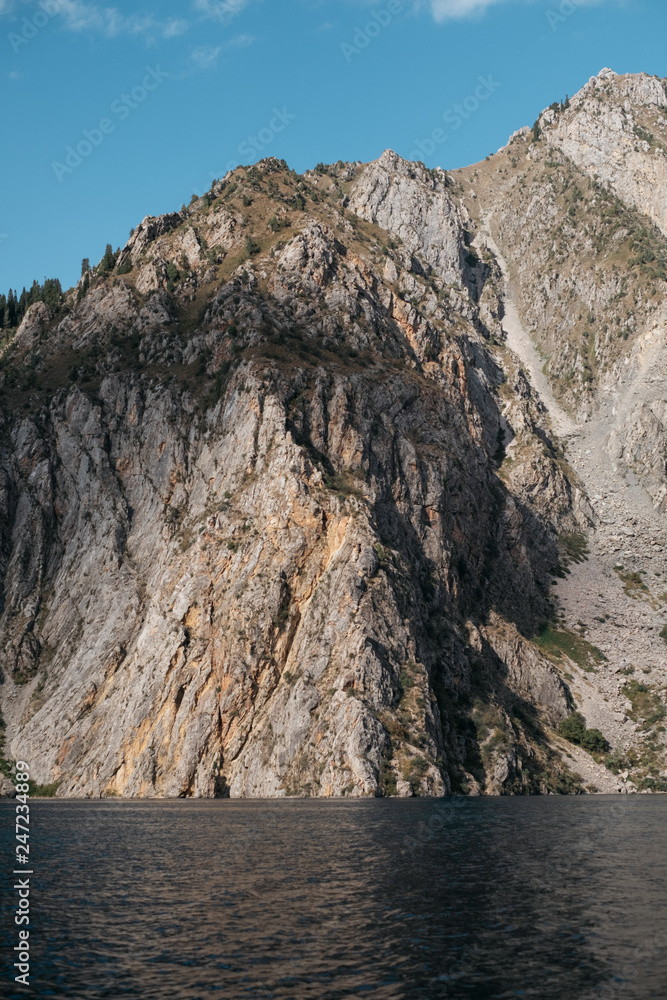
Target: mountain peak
282 512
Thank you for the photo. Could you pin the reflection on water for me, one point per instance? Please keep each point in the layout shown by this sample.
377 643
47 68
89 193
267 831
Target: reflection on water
547 898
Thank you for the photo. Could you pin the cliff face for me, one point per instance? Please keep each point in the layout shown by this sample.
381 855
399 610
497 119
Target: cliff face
254 539
282 511
616 130
587 266
573 213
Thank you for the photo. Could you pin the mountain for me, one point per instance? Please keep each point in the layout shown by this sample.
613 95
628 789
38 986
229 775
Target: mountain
353 483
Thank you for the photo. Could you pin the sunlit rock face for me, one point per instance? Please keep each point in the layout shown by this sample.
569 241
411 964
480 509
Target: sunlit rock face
280 510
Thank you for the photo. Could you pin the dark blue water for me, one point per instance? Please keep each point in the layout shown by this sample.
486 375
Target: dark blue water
546 898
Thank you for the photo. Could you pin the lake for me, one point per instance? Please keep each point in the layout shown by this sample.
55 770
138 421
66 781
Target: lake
562 898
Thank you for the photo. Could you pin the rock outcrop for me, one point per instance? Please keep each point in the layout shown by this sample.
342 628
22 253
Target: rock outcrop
616 130
281 511
251 504
573 212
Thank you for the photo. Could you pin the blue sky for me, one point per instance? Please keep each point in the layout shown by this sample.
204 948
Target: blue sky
160 97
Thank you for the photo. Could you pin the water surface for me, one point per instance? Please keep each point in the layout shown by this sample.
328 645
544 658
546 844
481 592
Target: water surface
552 898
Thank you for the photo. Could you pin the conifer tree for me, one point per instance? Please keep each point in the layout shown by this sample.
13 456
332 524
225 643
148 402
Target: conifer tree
13 307
52 292
10 311
108 261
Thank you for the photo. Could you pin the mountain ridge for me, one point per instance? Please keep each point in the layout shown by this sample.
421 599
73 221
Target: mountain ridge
282 511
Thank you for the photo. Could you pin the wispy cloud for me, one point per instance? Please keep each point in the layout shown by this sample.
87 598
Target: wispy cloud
82 16
221 10
451 10
76 15
79 16
204 57
446 10
240 42
175 27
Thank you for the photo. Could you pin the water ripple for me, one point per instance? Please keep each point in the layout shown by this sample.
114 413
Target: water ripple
553 899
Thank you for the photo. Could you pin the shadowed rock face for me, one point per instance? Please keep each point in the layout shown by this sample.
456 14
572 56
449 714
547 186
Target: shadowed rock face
573 211
580 216
256 536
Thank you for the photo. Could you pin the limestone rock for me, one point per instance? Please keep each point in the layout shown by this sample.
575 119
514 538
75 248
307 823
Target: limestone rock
615 131
415 204
259 537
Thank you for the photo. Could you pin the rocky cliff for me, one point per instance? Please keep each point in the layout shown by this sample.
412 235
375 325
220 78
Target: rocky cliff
573 213
282 509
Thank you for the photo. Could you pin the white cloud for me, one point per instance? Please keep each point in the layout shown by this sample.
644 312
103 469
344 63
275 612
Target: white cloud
79 16
175 27
221 10
450 10
445 10
82 16
240 42
76 15
205 57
